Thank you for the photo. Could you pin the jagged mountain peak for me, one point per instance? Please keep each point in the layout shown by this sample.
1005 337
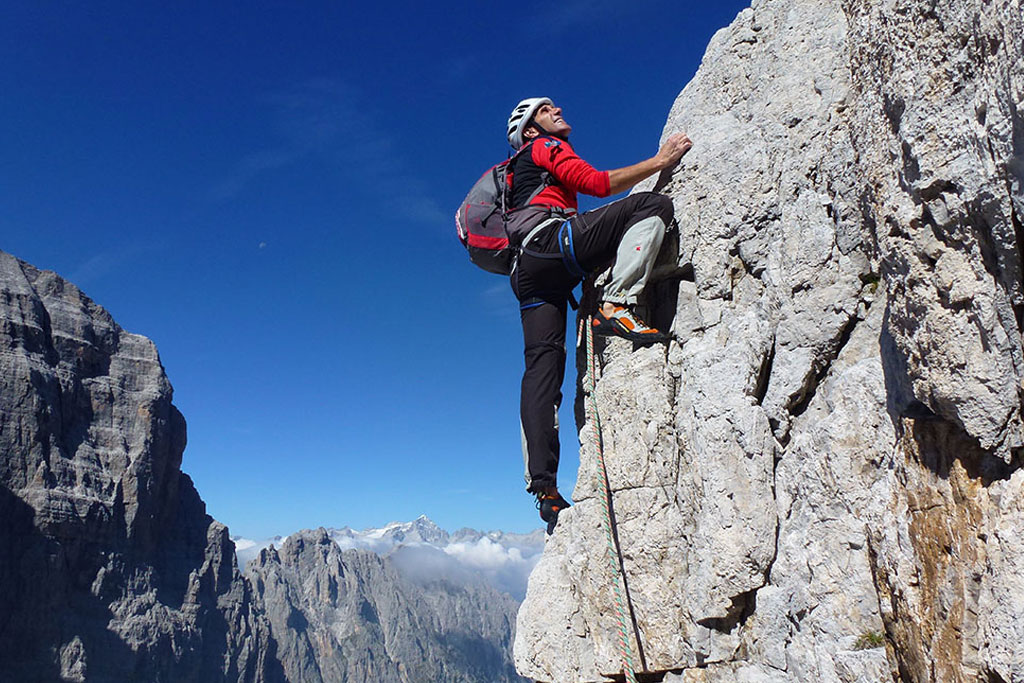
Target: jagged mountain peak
109 564
422 529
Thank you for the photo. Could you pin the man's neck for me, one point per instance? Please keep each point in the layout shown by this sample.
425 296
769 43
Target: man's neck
548 135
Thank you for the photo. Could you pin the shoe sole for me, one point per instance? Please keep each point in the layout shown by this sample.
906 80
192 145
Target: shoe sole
554 520
610 328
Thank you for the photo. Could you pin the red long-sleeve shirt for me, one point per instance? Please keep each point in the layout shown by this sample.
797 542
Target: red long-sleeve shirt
570 175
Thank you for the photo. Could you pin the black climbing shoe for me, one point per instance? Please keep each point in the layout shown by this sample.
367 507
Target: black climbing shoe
626 324
550 504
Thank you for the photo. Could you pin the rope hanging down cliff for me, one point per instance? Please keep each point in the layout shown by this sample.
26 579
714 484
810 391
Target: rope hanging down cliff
602 484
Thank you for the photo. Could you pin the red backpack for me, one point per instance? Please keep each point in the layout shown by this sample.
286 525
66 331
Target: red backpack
483 216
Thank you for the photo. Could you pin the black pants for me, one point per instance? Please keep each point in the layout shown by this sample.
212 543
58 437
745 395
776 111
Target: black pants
542 283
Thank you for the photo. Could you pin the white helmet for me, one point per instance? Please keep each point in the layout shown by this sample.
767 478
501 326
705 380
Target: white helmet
521 116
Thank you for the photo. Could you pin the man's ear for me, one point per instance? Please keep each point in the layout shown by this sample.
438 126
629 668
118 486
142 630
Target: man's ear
530 132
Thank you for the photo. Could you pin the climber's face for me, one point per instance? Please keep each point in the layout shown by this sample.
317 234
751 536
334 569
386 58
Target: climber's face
549 117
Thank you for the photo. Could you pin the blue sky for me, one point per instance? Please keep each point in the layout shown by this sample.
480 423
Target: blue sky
265 189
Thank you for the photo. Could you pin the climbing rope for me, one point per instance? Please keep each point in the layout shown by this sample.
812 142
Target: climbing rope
601 478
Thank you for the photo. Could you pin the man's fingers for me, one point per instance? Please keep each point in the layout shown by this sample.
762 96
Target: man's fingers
681 142
674 148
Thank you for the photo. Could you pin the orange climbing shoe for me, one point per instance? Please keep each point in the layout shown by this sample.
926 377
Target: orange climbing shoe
550 503
626 324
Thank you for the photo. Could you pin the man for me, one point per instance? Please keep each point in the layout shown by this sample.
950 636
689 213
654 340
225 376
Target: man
558 248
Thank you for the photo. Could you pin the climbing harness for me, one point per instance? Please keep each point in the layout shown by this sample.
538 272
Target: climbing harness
601 477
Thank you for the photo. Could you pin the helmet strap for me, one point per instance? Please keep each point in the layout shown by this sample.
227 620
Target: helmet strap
542 131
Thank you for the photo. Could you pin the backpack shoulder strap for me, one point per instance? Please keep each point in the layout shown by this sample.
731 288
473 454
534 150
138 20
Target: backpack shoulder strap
528 145
509 173
547 178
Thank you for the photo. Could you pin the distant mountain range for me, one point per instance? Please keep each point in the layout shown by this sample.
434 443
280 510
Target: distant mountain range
421 549
405 602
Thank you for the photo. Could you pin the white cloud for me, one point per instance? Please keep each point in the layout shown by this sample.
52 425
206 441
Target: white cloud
506 568
242 544
499 301
484 554
99 265
571 15
329 119
247 549
250 167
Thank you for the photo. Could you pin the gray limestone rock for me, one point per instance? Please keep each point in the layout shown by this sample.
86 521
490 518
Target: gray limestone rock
939 131
352 616
819 479
110 567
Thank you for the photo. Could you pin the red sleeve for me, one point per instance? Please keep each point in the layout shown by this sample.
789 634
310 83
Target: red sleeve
558 157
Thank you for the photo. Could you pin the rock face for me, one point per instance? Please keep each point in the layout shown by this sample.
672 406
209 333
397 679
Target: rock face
110 567
351 616
819 479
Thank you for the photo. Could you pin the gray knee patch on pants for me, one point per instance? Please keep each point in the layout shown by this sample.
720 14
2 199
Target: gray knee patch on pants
634 260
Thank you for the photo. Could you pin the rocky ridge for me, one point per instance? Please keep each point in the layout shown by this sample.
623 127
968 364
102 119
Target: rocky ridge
353 616
820 478
502 559
111 569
